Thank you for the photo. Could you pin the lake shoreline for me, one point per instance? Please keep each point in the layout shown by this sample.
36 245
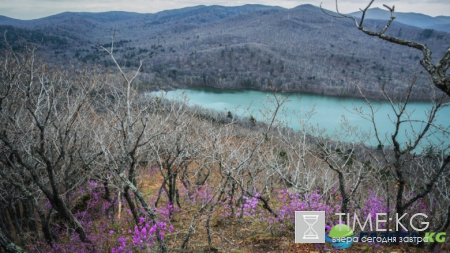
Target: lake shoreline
370 98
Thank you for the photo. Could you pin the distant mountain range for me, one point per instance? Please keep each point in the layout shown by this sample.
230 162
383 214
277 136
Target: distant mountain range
250 46
439 23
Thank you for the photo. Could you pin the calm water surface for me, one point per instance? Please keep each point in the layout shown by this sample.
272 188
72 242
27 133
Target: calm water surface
329 113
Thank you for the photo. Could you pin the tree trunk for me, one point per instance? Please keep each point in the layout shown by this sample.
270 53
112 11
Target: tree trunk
9 246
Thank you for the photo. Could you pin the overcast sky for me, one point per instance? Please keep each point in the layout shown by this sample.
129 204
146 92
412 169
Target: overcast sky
31 9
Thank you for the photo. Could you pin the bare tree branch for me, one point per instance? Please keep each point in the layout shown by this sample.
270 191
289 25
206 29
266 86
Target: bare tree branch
437 71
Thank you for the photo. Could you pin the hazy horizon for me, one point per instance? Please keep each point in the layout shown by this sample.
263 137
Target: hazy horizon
35 9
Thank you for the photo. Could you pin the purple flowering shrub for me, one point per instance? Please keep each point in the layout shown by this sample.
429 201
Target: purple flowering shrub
285 203
108 233
142 238
200 194
145 235
91 216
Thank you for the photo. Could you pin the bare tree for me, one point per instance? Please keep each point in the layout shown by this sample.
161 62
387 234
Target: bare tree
124 136
176 149
44 148
438 71
418 168
341 158
8 245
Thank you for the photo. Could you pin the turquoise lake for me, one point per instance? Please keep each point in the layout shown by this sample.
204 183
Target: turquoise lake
335 116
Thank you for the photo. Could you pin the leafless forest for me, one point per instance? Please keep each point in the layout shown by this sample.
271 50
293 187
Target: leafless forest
88 163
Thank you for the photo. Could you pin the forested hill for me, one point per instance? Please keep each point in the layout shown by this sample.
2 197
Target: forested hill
439 23
250 46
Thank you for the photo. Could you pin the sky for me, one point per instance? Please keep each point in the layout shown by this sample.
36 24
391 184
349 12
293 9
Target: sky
32 9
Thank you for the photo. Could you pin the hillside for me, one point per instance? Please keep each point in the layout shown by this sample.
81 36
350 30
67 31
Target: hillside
88 164
439 23
250 46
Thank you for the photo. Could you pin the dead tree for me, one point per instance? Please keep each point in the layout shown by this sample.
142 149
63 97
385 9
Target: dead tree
9 245
407 168
401 160
129 129
175 150
438 71
44 147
